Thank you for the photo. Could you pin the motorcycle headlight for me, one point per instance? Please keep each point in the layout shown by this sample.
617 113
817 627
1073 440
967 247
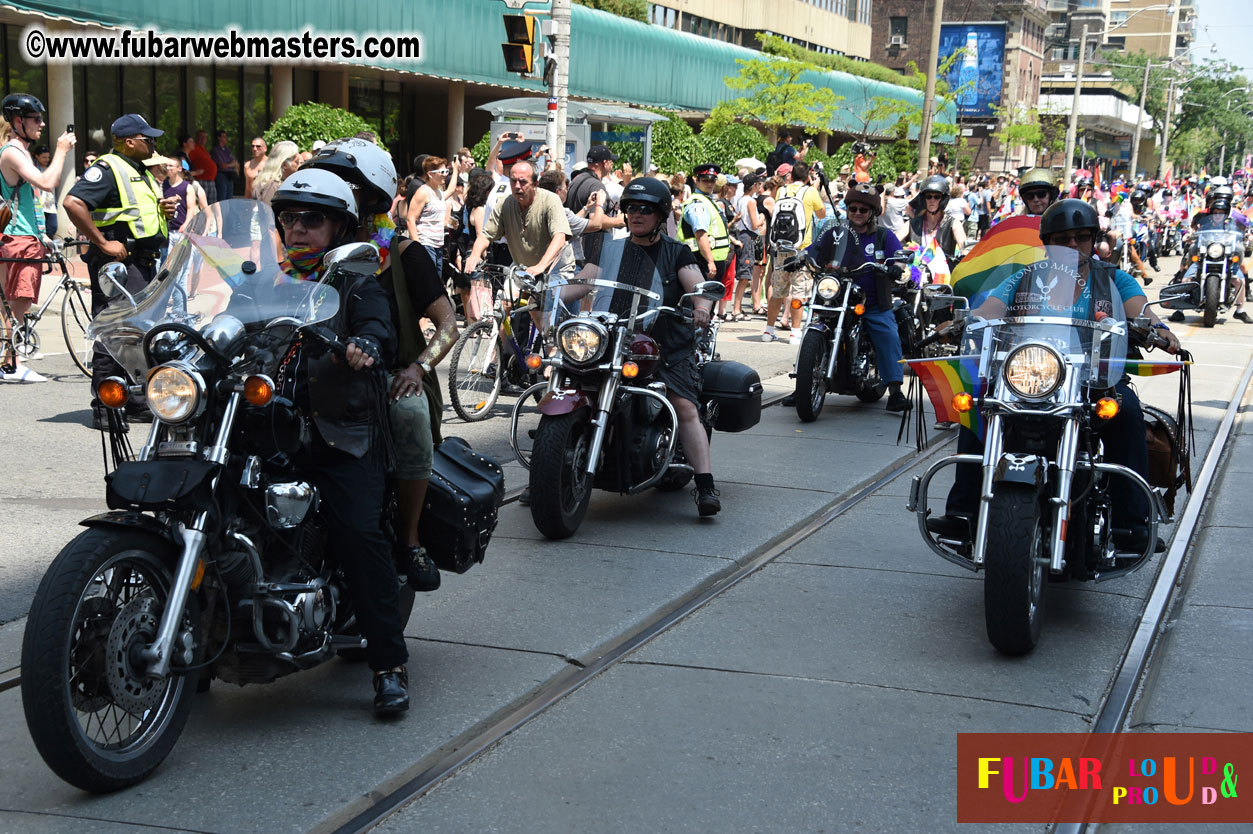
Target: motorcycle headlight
1214 251
1033 371
827 288
174 394
582 342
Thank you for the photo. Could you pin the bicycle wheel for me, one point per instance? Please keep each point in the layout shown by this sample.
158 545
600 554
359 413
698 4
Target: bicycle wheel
474 372
75 318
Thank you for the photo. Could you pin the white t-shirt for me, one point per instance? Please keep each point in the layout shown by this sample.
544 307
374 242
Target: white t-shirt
957 210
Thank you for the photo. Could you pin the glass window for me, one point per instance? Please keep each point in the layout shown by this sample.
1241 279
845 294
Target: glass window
201 89
256 103
1118 17
391 115
24 77
103 94
137 91
899 26
304 85
365 99
169 116
227 111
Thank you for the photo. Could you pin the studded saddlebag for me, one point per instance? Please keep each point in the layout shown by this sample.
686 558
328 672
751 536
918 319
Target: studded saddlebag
462 501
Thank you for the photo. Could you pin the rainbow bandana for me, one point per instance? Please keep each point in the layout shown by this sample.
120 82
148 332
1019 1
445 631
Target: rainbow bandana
381 230
303 263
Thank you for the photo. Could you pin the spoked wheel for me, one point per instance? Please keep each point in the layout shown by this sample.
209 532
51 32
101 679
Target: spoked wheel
868 359
1013 587
811 376
75 318
98 721
561 487
1212 291
475 372
25 341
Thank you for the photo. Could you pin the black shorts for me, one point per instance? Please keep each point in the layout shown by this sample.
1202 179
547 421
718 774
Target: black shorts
682 378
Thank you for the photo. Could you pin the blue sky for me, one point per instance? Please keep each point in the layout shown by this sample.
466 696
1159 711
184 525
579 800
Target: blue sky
1230 27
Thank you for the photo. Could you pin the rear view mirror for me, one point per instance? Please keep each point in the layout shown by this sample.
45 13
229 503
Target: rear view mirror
358 258
711 290
1182 296
112 280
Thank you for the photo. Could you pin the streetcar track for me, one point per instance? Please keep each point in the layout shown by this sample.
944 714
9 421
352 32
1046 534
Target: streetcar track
455 754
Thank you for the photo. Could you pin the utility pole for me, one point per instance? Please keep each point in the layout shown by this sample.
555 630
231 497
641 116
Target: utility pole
1135 142
1073 127
1170 112
928 102
559 82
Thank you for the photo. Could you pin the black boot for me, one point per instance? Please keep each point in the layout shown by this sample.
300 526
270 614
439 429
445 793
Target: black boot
898 402
707 502
419 570
1177 316
391 691
1243 316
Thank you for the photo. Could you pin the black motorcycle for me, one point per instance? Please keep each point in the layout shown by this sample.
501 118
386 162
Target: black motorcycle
836 355
605 423
211 562
1216 253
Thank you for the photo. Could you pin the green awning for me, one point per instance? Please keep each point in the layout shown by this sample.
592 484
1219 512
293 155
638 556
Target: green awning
612 58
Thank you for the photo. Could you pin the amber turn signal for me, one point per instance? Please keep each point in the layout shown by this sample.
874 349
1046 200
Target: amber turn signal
258 390
859 309
199 577
1106 408
797 304
630 370
1196 258
963 402
534 360
112 392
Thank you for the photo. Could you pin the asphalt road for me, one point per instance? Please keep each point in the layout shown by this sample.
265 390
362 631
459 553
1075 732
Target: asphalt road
822 693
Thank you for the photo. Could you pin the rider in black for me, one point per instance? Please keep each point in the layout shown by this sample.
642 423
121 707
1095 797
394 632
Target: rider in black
346 401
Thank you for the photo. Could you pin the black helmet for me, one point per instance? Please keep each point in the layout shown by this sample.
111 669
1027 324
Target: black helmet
1220 199
1086 182
647 190
866 195
1068 216
1139 197
936 185
21 104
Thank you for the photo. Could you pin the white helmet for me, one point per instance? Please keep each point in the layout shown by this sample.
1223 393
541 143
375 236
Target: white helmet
363 164
318 189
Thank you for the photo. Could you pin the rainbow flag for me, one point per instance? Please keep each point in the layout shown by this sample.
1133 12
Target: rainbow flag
1150 367
933 256
1007 248
945 377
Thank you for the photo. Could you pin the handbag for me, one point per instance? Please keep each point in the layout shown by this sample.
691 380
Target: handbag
462 502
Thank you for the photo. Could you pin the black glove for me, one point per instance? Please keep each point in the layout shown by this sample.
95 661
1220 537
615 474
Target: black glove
793 264
367 346
896 271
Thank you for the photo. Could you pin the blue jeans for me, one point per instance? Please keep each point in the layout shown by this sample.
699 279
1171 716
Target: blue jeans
886 339
437 255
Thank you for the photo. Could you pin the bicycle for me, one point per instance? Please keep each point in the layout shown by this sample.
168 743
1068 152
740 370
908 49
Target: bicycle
22 339
477 370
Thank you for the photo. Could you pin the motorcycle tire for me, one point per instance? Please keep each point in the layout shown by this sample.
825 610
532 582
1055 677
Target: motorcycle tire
811 376
1014 577
1213 290
101 597
471 389
561 488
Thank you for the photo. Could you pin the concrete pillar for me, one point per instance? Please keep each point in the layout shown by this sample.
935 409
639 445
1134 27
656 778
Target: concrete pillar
281 89
60 114
822 143
333 87
456 116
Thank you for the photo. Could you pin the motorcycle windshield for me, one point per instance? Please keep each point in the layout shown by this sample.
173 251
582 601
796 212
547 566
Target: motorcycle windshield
1221 230
622 303
1053 308
226 262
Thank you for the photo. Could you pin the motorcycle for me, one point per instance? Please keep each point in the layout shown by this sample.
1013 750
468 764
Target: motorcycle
1041 390
1217 250
920 308
836 354
604 423
211 561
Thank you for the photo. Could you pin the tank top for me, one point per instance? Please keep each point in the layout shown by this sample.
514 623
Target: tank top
28 218
430 229
179 191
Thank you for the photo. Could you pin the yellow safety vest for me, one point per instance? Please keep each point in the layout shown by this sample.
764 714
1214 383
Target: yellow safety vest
139 195
720 242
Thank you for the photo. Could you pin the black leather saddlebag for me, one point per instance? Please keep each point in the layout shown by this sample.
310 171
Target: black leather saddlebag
462 500
160 485
734 392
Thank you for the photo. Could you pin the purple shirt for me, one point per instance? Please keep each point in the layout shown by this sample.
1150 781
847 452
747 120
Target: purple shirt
222 156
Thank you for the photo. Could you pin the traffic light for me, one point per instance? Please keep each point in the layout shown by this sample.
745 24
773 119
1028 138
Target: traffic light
520 50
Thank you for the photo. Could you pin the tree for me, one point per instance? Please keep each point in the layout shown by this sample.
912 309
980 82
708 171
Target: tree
633 9
1214 103
775 45
306 123
1022 126
777 96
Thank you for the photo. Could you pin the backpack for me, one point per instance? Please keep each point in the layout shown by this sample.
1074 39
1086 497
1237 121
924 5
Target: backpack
773 160
787 226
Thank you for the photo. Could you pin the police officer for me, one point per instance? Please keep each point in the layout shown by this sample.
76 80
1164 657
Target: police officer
703 228
118 206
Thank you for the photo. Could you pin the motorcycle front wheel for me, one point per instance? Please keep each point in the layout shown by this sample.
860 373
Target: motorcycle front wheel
1213 289
95 718
1014 573
561 487
811 376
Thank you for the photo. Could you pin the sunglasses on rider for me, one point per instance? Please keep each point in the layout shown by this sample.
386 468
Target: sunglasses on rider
1072 237
859 210
640 208
932 196
307 219
1036 194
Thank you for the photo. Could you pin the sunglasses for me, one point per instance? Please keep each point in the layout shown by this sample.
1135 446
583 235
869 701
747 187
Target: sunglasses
308 219
641 208
443 171
859 210
932 196
1072 237
1035 194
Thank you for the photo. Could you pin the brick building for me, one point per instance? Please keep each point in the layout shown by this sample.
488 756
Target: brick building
901 33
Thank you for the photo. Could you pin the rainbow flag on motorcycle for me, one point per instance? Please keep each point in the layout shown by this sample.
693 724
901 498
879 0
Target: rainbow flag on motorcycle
1006 249
932 256
1150 367
946 377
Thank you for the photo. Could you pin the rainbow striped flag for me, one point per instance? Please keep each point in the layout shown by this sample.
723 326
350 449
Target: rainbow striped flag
1150 367
945 377
1006 249
933 256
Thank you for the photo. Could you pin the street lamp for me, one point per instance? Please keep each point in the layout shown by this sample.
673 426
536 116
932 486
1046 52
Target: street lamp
1144 88
1073 127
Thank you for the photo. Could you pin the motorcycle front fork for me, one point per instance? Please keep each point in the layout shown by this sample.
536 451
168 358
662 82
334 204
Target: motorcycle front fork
159 654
